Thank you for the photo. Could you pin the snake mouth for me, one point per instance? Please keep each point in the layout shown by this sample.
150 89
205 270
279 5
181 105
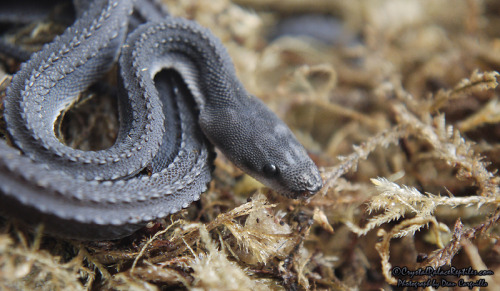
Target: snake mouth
316 188
306 193
310 192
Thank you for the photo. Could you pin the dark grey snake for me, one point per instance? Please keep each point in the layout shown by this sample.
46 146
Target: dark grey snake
165 66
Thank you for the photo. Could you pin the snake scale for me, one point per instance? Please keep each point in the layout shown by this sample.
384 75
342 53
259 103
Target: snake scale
179 95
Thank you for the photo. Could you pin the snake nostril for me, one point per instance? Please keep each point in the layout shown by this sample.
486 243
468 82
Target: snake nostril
314 184
314 188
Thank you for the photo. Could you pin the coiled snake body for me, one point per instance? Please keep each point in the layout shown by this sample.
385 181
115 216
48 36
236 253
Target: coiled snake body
165 66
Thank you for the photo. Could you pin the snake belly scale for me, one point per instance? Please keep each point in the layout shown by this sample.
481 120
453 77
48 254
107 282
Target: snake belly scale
179 95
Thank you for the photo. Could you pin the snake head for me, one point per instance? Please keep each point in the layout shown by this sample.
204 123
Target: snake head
262 145
288 170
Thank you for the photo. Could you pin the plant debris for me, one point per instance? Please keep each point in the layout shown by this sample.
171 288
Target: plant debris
402 115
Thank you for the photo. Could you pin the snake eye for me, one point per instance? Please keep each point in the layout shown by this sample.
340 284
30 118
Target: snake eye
270 170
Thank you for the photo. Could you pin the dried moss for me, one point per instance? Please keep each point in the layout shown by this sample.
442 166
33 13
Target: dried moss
402 118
